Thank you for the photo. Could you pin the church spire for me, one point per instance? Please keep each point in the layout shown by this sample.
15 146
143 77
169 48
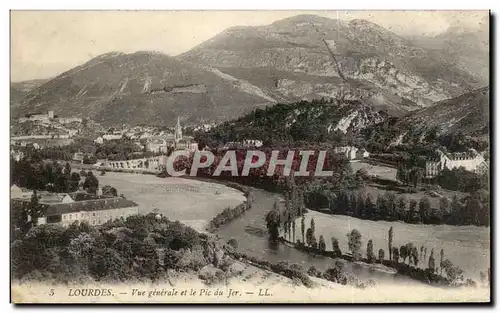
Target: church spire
178 130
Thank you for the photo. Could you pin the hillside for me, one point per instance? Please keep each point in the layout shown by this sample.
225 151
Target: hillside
18 90
312 122
291 61
143 87
465 115
468 49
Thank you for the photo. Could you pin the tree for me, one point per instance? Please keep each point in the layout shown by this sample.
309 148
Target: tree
391 234
452 272
401 209
414 212
380 208
34 208
107 190
402 174
74 180
414 255
391 207
322 244
353 206
395 255
369 252
354 243
273 222
314 242
403 252
381 255
369 208
441 260
67 169
91 183
424 206
309 236
302 227
432 263
313 227
293 230
360 206
335 247
444 205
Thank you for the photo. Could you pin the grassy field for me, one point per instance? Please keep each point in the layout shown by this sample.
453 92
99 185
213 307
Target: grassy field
381 171
465 246
375 190
189 201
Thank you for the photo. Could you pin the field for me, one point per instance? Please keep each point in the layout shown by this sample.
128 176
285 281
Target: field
465 246
381 171
189 201
389 173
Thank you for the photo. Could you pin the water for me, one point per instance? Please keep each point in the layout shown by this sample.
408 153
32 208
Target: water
250 232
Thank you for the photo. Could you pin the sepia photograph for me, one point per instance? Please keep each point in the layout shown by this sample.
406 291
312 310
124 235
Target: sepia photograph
268 156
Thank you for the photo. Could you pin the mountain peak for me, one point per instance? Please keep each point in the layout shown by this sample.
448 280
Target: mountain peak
305 18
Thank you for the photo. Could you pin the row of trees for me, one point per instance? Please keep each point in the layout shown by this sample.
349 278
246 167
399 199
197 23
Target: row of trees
471 210
50 176
405 252
140 247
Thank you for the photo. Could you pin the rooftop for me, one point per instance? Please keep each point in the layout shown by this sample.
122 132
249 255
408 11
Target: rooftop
89 205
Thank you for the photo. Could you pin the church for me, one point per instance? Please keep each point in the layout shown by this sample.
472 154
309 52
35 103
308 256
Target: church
161 144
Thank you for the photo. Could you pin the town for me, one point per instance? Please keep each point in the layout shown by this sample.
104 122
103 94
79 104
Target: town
308 158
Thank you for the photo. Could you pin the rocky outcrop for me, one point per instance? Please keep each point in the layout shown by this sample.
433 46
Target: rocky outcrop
372 59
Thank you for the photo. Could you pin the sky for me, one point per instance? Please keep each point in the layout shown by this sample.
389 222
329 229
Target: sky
47 43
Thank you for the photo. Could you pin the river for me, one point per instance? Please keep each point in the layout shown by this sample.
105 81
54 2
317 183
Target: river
250 232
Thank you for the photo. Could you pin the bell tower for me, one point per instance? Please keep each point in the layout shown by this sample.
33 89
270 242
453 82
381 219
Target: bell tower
178 131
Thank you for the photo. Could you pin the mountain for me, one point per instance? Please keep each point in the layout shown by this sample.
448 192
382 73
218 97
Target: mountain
304 121
290 60
468 49
144 87
18 90
465 115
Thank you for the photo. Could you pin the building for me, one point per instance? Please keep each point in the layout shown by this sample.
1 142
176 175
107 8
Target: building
94 212
37 117
67 120
178 130
348 151
54 198
470 161
247 143
20 193
16 155
112 136
78 157
352 153
99 140
362 154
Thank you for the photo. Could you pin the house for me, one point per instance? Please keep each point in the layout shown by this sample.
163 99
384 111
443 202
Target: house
16 155
348 151
38 117
78 157
112 136
470 161
95 212
15 192
20 193
362 154
99 140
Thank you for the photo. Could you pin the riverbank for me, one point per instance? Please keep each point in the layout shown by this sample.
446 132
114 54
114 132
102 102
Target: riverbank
189 201
465 246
